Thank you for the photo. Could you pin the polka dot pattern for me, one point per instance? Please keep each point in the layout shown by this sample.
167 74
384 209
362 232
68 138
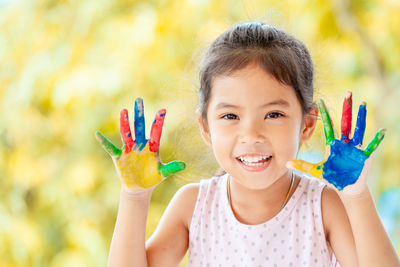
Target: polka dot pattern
294 237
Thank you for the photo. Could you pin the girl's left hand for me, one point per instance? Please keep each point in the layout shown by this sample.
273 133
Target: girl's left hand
345 164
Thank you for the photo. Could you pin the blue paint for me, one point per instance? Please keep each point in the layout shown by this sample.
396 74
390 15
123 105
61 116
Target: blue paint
345 139
129 134
162 115
140 146
360 126
344 164
139 123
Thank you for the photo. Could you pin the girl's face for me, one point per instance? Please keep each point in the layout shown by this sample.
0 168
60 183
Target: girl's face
251 117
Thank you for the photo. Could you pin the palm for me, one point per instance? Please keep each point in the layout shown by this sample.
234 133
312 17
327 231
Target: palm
138 163
139 169
344 164
344 159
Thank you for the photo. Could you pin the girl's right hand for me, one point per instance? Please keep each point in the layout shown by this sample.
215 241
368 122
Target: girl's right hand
138 162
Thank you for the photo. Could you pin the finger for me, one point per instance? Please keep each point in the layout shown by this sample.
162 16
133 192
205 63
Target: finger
107 145
360 126
335 133
326 120
373 145
307 167
140 134
156 130
346 118
171 167
125 130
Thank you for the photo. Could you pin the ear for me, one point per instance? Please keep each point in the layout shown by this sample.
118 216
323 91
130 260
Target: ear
309 123
204 130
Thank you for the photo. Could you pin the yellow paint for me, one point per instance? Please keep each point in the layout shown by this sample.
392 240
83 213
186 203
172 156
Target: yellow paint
139 169
314 169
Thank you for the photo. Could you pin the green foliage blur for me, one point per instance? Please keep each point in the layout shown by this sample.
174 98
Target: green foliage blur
68 67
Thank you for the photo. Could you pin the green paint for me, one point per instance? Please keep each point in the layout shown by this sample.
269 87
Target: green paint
328 130
319 167
373 145
107 145
171 168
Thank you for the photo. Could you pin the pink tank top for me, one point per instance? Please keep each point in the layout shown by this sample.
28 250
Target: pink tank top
294 237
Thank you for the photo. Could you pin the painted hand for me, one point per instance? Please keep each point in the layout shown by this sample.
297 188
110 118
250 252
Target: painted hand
344 159
138 162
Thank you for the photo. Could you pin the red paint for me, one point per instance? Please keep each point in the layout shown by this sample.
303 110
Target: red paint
156 130
346 117
125 131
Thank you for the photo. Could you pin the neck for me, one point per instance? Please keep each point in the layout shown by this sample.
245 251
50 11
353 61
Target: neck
268 199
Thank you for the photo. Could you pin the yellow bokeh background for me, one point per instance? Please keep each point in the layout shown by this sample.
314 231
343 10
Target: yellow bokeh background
68 67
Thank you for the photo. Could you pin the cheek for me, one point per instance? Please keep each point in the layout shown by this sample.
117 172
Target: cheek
221 141
286 145
220 132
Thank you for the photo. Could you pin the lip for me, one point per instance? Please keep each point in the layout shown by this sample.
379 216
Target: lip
254 168
253 155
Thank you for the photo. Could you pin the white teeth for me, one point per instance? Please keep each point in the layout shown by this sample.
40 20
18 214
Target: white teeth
252 160
252 164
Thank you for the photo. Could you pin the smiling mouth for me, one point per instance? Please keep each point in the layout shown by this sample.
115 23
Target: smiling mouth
254 161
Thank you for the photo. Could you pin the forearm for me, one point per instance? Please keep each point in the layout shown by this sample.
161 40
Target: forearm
128 242
374 247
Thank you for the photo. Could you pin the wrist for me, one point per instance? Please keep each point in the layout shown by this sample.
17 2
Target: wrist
139 195
361 195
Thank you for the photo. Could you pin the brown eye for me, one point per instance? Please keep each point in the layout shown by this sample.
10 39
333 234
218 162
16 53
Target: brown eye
274 115
229 116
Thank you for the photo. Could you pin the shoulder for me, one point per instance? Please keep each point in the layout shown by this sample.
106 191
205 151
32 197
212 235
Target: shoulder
334 213
330 202
185 199
188 195
312 185
338 231
331 207
169 242
188 191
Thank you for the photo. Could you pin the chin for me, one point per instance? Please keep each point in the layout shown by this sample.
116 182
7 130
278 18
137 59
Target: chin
256 183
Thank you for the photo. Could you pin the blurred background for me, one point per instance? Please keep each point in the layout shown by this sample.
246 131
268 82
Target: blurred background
68 67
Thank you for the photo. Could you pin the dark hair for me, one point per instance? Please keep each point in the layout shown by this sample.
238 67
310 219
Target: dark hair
277 52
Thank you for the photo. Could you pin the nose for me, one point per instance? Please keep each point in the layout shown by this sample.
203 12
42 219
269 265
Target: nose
251 132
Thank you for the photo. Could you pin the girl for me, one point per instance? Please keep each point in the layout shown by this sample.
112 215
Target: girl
256 108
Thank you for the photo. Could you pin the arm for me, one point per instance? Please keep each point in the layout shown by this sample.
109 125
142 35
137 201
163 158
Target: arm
350 209
128 242
355 231
373 244
338 228
140 170
169 242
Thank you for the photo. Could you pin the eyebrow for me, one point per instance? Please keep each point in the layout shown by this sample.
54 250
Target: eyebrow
278 102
